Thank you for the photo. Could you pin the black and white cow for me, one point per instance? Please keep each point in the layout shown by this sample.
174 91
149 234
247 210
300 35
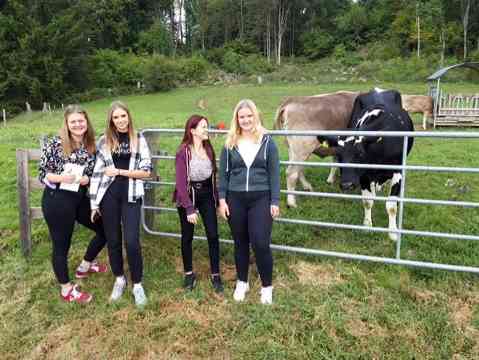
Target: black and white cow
377 110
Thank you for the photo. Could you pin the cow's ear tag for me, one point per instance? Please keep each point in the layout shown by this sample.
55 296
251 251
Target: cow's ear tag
325 144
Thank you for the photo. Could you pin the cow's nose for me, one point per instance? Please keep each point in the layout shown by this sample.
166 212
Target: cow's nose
346 186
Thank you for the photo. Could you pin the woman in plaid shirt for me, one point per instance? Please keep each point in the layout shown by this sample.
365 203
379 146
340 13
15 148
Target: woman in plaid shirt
116 192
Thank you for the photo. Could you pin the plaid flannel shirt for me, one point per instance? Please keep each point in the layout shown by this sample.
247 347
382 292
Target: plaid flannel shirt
140 160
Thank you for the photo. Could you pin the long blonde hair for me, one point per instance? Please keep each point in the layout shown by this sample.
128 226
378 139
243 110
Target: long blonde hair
111 134
88 138
234 132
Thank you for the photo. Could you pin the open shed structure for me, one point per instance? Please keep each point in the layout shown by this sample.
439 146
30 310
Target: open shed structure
453 109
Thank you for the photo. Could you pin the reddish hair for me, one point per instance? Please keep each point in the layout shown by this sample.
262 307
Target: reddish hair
192 123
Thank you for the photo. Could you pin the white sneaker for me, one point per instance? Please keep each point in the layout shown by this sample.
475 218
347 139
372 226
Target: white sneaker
267 295
139 294
241 289
118 288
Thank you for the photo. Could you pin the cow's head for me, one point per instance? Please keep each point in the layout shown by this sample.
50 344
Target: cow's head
351 150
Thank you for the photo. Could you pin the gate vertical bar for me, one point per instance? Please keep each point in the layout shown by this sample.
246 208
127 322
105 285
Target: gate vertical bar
401 196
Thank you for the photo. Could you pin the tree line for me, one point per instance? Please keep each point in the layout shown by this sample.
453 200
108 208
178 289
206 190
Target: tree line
53 48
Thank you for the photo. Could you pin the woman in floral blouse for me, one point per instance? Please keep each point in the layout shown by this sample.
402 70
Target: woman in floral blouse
66 166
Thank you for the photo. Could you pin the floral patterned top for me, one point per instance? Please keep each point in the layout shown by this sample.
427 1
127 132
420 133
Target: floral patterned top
53 160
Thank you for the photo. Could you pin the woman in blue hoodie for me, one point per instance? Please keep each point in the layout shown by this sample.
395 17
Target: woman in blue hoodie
249 195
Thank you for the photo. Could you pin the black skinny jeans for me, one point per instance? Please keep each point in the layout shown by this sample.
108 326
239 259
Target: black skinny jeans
115 212
205 203
251 222
61 208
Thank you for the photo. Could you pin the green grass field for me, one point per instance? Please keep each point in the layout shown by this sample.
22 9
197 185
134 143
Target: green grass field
323 308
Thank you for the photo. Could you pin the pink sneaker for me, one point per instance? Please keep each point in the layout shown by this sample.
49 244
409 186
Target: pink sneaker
94 268
75 295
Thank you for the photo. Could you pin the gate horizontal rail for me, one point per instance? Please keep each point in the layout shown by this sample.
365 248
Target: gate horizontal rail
400 199
467 204
341 255
351 227
361 166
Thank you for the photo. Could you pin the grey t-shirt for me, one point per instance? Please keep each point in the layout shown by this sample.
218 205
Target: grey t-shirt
200 168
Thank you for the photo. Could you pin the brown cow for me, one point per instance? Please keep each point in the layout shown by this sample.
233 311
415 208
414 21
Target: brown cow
418 104
320 112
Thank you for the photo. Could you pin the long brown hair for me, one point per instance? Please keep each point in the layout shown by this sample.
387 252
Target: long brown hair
111 133
88 138
192 123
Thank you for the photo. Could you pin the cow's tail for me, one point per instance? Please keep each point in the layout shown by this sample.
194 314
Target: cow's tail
279 121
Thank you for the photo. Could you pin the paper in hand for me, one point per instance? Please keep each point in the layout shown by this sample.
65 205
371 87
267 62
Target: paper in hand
75 170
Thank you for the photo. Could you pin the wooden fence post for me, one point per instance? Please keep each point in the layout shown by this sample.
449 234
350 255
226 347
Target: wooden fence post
24 202
153 140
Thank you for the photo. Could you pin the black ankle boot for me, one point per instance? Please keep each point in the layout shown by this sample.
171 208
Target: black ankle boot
217 284
189 282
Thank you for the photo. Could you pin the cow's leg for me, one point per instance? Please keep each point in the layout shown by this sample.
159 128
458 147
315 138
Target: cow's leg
391 205
306 184
332 175
292 175
368 188
424 121
299 149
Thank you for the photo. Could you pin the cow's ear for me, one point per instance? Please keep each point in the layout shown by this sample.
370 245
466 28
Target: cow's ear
367 140
332 140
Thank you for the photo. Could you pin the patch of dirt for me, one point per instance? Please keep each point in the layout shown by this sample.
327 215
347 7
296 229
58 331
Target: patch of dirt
322 275
361 328
422 295
202 104
460 312
357 327
205 315
375 302
73 340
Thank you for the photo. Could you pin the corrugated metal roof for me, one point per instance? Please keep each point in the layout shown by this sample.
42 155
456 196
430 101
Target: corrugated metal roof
441 72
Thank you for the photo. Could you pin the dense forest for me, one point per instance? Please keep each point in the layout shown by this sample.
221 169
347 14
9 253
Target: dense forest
53 50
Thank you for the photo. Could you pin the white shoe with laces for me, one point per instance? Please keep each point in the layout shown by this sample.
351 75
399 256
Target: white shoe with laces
118 289
240 291
267 295
139 294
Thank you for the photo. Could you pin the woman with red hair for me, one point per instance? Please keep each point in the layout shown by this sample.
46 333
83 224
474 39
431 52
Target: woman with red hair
196 193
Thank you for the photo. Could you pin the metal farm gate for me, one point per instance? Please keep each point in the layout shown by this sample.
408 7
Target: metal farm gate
401 199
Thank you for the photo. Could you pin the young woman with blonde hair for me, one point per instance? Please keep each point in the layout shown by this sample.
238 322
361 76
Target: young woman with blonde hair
249 195
116 194
66 165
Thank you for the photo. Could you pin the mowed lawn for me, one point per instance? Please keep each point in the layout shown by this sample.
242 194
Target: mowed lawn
323 308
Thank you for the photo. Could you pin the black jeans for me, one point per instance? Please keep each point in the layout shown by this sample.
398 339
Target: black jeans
61 209
205 203
251 222
116 212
